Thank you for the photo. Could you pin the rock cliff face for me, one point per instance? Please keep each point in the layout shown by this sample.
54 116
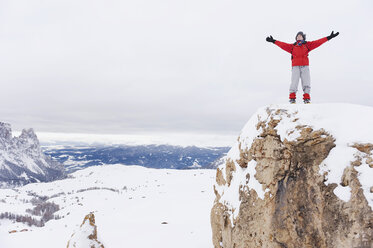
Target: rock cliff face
22 161
86 236
298 176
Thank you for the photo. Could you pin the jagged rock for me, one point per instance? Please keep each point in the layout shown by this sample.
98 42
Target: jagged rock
22 160
278 188
86 236
5 132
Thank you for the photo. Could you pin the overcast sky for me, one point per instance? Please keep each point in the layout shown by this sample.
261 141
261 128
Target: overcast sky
201 66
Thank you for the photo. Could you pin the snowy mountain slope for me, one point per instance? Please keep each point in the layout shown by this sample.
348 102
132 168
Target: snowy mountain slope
22 160
134 207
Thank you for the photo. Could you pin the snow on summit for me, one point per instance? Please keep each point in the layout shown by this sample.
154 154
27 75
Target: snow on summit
348 124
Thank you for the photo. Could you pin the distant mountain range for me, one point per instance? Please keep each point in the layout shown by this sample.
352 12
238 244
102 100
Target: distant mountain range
23 160
151 156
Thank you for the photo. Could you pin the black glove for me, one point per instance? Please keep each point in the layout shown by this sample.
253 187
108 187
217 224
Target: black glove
270 39
332 35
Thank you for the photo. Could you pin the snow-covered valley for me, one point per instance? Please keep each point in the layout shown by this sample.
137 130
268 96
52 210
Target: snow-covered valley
134 207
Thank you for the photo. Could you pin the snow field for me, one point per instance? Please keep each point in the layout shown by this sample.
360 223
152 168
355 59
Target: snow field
130 206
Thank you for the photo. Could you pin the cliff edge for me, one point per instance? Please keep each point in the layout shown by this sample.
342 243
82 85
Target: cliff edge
298 176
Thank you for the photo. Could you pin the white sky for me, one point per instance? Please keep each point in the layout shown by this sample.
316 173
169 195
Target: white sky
201 66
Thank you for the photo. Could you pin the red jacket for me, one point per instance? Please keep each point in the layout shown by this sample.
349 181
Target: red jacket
300 53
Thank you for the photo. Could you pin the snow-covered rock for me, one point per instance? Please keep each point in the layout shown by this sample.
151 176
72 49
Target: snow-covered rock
22 160
298 176
86 235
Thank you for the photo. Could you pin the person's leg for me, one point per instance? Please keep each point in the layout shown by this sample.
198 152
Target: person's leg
295 75
306 81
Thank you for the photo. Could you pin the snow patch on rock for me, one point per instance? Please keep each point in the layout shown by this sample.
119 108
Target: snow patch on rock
348 124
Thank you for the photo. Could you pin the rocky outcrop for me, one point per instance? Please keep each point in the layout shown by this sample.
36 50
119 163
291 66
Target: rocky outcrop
276 187
22 160
86 236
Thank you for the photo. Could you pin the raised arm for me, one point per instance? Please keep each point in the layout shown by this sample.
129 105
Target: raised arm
286 46
316 43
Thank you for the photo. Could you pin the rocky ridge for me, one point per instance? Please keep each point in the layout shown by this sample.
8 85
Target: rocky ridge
22 160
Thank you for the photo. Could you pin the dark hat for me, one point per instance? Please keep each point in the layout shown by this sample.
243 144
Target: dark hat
301 33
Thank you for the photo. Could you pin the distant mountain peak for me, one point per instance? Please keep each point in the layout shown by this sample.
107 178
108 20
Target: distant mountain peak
22 160
5 131
29 133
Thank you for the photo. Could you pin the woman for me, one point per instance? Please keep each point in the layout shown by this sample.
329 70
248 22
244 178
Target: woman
300 64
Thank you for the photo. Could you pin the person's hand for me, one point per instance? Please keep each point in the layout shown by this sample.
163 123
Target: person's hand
332 35
270 39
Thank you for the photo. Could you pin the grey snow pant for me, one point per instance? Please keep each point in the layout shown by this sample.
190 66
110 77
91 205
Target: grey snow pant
302 72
